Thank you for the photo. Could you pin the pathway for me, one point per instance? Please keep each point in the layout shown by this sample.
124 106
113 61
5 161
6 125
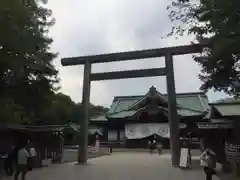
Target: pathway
119 166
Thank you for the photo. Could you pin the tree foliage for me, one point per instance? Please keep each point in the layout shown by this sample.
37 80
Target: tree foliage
26 70
28 79
216 22
63 111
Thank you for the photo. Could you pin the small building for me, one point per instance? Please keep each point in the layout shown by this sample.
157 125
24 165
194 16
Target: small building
134 120
221 122
71 137
221 131
47 140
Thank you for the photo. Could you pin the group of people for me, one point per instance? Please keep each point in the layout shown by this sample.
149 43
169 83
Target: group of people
155 145
207 158
20 160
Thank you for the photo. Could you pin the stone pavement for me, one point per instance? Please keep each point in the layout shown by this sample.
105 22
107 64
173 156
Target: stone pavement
119 166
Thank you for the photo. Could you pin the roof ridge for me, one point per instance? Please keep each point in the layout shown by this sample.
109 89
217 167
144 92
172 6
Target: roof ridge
151 90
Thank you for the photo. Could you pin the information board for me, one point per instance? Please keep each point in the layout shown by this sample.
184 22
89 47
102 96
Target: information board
232 152
184 157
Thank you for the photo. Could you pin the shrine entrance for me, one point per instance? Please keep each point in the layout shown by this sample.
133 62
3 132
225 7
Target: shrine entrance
167 71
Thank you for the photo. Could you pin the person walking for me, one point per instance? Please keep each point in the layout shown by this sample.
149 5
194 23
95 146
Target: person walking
159 148
150 146
22 162
10 161
33 155
208 162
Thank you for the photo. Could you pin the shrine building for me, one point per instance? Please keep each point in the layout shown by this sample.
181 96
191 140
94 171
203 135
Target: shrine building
134 120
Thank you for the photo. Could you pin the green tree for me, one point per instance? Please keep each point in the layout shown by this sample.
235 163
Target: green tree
216 22
28 79
77 113
63 111
27 74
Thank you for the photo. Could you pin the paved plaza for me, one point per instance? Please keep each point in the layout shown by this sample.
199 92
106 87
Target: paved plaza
119 166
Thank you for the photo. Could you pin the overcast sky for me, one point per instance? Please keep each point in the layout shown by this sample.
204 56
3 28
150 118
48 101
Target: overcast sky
93 27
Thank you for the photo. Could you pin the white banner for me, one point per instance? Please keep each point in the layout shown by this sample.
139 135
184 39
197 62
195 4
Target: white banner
139 131
112 136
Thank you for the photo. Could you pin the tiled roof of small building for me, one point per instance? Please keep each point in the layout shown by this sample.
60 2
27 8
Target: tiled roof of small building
227 109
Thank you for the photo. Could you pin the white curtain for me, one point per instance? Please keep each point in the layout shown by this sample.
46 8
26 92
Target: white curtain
112 136
139 131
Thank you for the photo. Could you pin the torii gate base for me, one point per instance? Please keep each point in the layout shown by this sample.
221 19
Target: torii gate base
167 71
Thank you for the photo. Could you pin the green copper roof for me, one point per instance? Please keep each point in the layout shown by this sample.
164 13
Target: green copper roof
228 109
188 112
181 112
123 103
122 114
194 101
228 100
190 104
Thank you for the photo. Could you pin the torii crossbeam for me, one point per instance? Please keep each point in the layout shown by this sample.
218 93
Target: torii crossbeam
167 71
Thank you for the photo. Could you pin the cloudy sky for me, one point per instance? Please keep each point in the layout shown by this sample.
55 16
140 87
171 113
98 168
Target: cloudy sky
93 27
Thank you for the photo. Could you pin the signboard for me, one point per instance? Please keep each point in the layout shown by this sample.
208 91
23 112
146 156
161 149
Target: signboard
142 130
214 126
184 157
232 152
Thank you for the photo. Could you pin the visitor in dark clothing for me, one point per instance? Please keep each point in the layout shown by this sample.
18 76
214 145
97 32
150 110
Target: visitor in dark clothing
10 161
208 162
22 163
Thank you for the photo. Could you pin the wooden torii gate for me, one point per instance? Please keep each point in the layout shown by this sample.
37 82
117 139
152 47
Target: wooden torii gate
167 71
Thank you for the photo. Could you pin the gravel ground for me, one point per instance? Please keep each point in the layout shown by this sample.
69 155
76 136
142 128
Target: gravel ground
120 166
71 155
